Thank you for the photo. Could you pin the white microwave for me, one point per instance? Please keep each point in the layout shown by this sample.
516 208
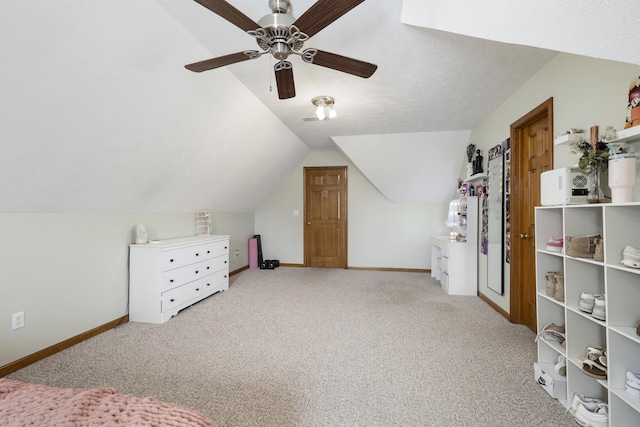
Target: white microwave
563 186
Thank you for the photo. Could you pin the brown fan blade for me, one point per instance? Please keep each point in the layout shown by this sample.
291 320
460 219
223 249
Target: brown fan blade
230 13
218 62
284 80
323 13
339 62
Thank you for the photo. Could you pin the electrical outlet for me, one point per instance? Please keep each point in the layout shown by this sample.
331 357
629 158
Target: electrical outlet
17 320
236 253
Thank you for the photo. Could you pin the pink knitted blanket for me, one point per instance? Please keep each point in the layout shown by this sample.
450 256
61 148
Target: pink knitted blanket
23 404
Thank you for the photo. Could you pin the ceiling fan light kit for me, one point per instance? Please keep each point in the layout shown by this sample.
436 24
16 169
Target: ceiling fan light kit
281 35
324 107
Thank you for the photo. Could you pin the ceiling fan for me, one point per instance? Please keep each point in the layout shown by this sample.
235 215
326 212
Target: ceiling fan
281 35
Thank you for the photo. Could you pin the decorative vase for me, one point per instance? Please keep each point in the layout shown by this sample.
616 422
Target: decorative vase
469 169
622 178
594 196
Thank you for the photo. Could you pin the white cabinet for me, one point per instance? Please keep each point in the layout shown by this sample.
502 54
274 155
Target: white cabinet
455 264
618 225
170 275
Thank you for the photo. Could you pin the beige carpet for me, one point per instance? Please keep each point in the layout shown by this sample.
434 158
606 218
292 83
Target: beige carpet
323 347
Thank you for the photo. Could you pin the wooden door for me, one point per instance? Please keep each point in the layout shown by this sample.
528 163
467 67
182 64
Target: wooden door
325 216
531 154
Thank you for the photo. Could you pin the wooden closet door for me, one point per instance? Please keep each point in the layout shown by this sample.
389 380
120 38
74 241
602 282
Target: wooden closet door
325 215
531 154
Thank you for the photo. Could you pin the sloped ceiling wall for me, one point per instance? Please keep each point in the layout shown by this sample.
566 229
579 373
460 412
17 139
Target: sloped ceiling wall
600 29
409 168
99 115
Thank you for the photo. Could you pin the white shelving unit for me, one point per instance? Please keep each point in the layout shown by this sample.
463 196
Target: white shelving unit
568 138
629 135
476 177
618 225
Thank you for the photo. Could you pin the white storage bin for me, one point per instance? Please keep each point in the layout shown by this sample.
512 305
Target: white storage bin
550 380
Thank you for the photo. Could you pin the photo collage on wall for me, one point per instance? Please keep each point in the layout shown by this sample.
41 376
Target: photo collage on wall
506 146
484 229
494 153
501 150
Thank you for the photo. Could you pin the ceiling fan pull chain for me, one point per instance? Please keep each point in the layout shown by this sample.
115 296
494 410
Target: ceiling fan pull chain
270 74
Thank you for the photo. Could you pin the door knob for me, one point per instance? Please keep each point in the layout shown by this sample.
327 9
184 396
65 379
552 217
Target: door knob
308 223
524 236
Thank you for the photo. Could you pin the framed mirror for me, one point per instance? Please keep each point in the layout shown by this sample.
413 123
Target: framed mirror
494 243
495 224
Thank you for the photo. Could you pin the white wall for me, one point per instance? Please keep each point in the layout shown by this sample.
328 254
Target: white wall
381 234
101 121
402 166
100 115
69 272
239 227
586 92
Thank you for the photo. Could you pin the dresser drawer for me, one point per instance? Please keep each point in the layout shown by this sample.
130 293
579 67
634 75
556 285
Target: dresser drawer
178 296
444 262
217 264
214 282
445 250
180 276
215 249
444 281
177 258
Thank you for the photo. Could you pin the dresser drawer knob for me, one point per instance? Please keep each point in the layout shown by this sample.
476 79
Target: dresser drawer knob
225 261
170 280
226 247
225 276
197 289
208 284
196 271
208 268
208 252
171 260
171 300
197 254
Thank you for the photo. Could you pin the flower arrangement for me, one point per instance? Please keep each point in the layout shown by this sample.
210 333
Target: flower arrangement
596 156
592 157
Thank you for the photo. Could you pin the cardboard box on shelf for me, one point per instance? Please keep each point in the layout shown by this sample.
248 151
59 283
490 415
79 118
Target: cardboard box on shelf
553 383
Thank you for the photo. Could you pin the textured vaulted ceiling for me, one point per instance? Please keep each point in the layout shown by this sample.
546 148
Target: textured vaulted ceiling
442 67
100 114
451 67
427 80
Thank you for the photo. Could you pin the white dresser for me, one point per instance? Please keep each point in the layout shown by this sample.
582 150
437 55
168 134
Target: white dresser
173 274
455 264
